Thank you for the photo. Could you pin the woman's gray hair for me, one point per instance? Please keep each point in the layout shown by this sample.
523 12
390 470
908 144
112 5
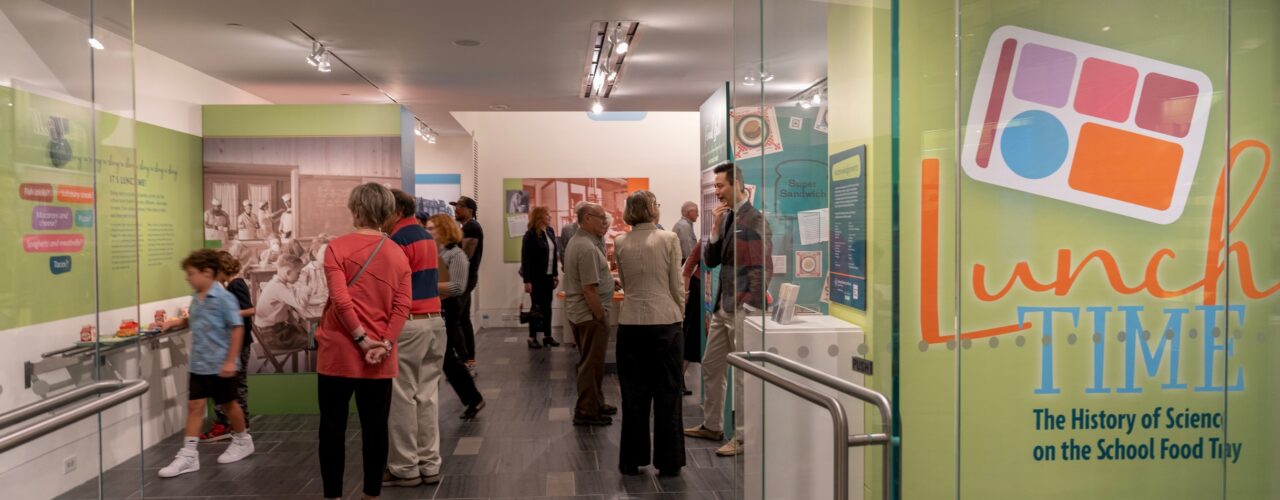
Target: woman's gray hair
642 207
371 205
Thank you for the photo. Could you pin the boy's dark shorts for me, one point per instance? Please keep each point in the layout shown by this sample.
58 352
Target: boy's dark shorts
220 390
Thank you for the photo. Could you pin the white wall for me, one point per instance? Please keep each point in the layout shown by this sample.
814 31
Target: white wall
168 94
662 147
449 155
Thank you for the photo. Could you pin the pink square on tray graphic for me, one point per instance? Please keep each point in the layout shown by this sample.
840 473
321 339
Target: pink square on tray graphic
1086 124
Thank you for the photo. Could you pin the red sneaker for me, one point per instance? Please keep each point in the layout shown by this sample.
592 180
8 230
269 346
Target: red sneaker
218 432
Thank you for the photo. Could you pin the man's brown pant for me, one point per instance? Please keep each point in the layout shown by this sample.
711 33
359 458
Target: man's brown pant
592 338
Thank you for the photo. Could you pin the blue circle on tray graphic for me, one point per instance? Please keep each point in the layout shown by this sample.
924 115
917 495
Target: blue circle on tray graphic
1034 144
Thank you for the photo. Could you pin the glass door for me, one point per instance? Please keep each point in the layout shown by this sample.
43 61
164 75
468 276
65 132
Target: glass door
809 133
69 170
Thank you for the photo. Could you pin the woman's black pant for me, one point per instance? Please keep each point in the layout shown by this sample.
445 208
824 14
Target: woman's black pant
649 372
544 288
455 371
373 404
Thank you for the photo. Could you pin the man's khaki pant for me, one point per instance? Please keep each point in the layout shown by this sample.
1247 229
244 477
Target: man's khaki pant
592 338
414 423
724 333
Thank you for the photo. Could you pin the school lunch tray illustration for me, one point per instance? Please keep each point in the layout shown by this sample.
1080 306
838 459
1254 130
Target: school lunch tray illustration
1086 124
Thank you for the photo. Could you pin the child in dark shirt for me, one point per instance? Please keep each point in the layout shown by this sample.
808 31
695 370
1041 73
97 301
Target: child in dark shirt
230 278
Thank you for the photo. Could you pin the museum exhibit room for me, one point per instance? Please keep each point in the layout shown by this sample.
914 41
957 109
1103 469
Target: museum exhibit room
660 249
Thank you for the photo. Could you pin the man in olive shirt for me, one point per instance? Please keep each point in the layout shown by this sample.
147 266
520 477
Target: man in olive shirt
588 286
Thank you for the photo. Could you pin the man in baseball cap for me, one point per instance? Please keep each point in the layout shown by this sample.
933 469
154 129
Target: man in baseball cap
473 244
467 203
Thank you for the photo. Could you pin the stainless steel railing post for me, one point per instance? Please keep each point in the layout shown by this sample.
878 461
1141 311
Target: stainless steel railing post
746 362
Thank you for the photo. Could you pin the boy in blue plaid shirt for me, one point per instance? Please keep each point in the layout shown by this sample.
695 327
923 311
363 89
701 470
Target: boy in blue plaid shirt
217 333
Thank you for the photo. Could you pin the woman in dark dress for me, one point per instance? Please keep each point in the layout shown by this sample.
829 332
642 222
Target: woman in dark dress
540 269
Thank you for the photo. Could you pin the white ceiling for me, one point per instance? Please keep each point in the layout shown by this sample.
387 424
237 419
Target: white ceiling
531 58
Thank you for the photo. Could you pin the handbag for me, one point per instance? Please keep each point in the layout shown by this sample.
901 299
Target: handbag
311 333
533 314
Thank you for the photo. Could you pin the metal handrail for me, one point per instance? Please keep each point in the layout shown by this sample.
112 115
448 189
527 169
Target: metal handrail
839 420
116 392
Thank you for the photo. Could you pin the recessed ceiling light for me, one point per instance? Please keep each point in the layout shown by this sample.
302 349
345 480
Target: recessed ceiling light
499 107
235 25
467 43
344 94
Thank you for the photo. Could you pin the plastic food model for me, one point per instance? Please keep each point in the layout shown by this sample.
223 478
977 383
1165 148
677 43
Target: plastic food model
86 333
128 328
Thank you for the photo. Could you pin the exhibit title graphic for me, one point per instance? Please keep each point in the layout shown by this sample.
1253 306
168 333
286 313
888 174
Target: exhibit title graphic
1119 133
1058 118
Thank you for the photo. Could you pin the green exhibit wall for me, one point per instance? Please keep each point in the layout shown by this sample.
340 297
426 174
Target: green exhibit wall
143 193
303 120
1053 349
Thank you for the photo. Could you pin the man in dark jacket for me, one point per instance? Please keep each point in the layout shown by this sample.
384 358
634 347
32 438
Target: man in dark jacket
740 246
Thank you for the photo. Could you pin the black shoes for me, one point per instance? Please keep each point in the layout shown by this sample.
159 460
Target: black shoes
533 343
473 410
592 420
608 409
550 342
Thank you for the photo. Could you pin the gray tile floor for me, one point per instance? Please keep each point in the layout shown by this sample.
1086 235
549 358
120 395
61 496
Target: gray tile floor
521 446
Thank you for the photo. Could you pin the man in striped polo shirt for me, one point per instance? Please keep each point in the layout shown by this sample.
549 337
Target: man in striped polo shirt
414 456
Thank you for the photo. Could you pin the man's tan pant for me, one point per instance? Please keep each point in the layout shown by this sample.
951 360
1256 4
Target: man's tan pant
592 338
724 333
414 423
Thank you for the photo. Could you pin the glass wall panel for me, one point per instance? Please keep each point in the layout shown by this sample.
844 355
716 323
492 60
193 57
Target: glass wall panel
810 131
68 171
1250 256
1065 274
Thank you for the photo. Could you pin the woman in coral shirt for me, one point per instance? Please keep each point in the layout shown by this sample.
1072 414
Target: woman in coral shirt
369 295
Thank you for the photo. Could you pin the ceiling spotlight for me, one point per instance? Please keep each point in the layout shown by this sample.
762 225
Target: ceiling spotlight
749 81
324 66
817 99
805 104
597 107
317 52
93 42
766 76
610 41
417 132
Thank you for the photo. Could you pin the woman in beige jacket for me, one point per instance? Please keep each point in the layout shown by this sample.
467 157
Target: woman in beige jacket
650 341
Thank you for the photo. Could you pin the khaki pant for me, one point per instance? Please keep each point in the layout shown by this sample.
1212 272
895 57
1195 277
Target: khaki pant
592 338
724 333
414 423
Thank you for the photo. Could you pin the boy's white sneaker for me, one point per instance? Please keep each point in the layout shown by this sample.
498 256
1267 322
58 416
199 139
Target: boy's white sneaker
186 461
241 447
